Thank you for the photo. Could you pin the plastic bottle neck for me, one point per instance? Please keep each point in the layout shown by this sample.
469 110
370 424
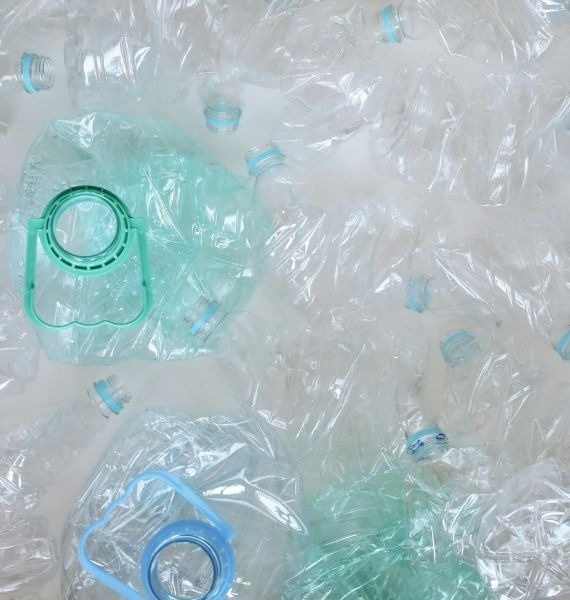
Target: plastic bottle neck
37 72
427 443
109 396
205 317
458 347
222 115
260 159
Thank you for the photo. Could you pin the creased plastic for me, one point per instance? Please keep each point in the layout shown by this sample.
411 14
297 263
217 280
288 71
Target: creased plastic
506 34
202 235
331 394
380 537
520 271
30 455
524 537
430 124
331 77
19 348
233 464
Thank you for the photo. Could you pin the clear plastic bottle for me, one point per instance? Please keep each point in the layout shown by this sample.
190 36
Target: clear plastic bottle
110 52
30 456
504 35
26 72
295 249
523 541
332 77
181 506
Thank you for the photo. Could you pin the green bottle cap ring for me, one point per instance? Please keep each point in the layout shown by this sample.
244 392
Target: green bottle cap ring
97 264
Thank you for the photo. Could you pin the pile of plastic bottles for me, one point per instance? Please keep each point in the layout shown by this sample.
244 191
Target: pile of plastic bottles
347 222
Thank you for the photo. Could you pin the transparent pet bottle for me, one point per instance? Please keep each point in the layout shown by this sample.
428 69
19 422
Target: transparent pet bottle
27 72
295 247
407 20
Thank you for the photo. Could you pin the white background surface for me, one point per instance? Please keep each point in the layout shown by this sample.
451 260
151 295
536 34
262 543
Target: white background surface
195 385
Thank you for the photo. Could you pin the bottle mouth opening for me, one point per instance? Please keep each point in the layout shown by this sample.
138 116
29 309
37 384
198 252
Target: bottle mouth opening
112 393
261 158
458 347
37 72
214 545
222 116
427 443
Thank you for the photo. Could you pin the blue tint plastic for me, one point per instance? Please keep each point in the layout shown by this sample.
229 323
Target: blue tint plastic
213 538
458 347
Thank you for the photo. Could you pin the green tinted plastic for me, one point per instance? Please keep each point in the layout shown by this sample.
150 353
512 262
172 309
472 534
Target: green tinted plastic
94 265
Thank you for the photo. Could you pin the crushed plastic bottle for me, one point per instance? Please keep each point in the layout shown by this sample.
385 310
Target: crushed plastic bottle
19 349
520 272
506 35
21 72
378 537
331 394
210 509
524 537
110 52
332 77
296 248
162 226
30 455
490 387
429 125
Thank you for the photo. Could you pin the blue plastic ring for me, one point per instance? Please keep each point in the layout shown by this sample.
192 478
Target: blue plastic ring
27 58
206 315
199 533
255 160
386 19
101 389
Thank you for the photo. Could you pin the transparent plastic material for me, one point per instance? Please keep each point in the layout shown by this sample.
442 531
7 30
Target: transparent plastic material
332 77
110 52
490 388
494 149
296 247
19 348
235 472
524 536
20 73
194 218
30 455
520 271
331 393
249 46
380 537
506 34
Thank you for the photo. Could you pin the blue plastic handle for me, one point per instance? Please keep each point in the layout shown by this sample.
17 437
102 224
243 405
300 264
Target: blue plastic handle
107 579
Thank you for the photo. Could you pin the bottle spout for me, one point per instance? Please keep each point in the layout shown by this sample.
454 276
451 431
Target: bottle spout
37 72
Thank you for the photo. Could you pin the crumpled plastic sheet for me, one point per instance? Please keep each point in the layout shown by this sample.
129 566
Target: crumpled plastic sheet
203 236
430 123
233 463
381 537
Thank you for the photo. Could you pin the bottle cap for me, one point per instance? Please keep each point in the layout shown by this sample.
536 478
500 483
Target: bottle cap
426 443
